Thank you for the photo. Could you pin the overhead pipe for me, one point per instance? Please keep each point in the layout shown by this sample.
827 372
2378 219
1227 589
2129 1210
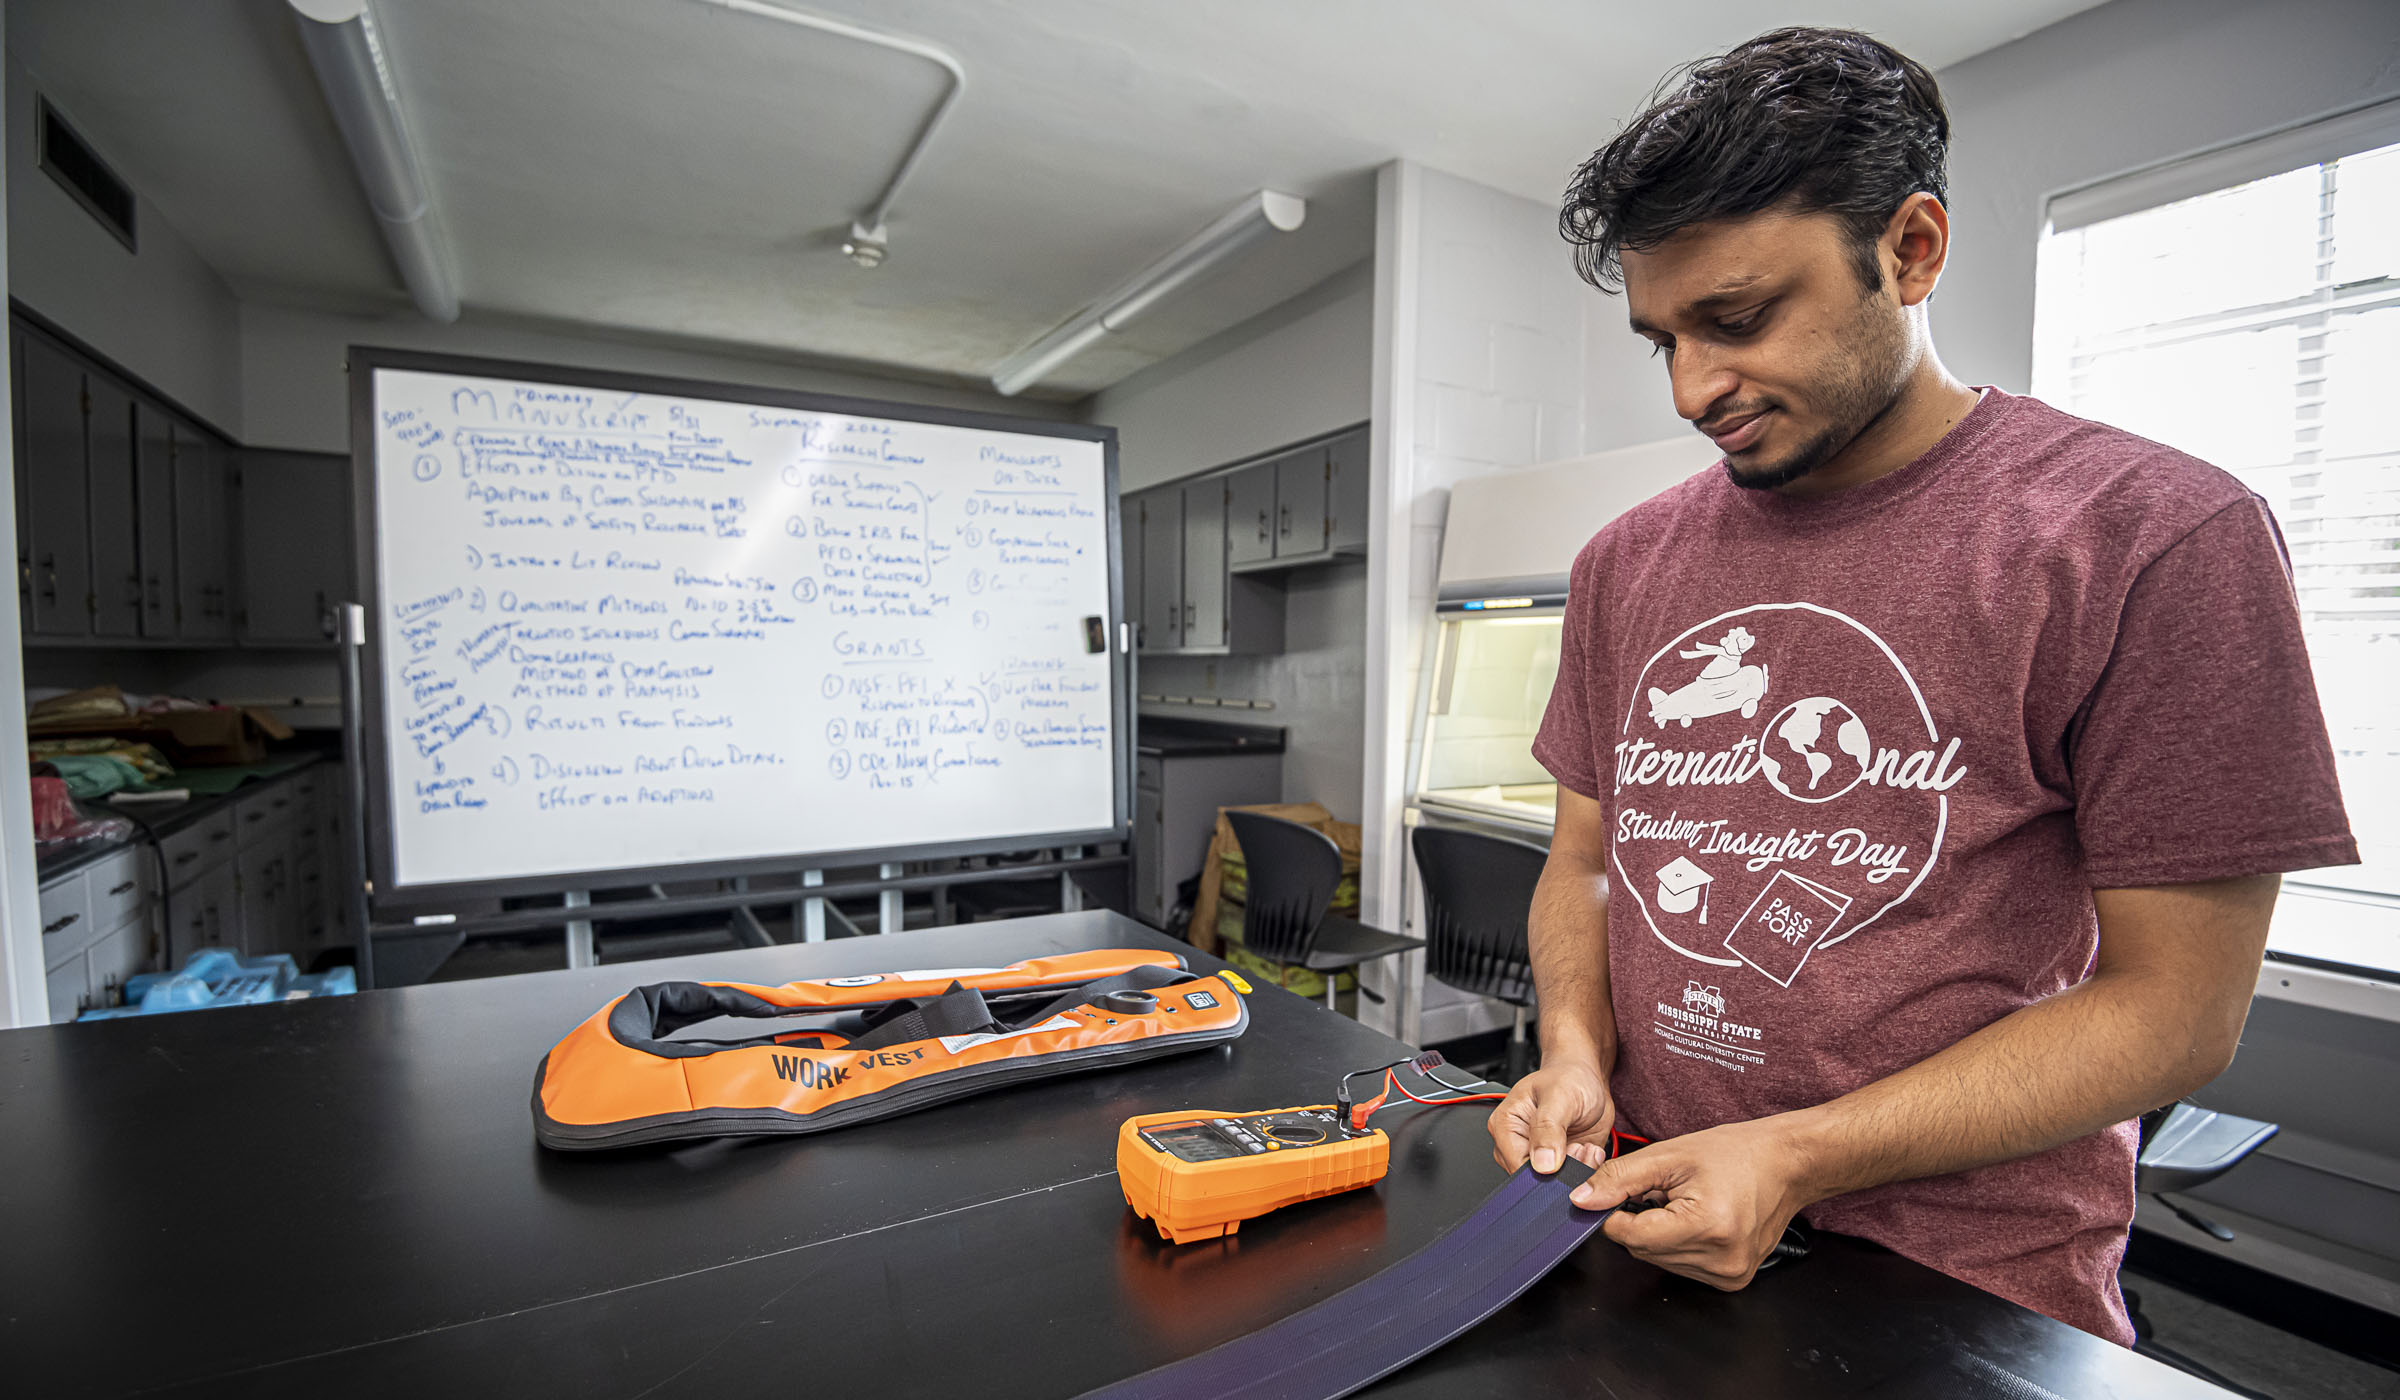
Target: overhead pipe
1263 213
869 240
355 70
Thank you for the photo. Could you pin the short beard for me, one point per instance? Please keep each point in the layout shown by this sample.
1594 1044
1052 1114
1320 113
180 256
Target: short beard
1869 387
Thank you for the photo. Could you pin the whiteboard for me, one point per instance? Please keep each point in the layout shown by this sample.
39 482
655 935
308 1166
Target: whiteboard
629 630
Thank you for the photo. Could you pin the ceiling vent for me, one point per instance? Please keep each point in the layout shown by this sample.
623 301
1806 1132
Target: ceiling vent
74 164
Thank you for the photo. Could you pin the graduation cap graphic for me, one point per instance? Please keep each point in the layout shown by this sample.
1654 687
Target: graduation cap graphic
1682 885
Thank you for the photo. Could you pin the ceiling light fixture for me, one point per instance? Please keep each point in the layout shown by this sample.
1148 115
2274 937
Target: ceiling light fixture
1246 223
868 240
355 71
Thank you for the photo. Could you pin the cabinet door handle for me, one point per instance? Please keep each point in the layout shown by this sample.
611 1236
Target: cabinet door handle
187 857
1187 615
1285 523
116 890
62 923
215 836
1262 527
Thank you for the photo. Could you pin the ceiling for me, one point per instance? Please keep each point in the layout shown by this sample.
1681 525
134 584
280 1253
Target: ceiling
673 168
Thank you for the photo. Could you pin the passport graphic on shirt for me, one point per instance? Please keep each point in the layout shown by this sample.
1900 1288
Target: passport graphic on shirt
1787 921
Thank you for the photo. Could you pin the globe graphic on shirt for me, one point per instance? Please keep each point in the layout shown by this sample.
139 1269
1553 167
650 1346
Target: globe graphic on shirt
1814 750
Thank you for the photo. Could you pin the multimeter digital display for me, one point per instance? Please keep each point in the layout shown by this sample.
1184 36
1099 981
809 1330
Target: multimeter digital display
1196 1142
1214 1139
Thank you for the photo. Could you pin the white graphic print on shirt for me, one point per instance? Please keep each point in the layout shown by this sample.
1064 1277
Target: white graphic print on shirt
1773 803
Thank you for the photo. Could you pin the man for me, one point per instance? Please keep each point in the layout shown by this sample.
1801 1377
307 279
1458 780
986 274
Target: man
1925 772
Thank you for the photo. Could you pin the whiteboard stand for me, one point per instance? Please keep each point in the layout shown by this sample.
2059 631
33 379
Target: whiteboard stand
580 952
812 911
747 929
891 915
1070 894
354 786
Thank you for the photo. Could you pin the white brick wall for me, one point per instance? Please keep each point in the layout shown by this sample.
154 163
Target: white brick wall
1491 355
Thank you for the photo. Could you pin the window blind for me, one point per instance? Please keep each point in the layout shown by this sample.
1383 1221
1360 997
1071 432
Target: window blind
2248 312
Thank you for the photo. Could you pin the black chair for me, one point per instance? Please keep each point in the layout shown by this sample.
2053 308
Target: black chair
2185 1145
1293 870
1478 893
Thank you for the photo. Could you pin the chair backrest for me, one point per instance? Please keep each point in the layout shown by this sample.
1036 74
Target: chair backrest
1293 870
1478 893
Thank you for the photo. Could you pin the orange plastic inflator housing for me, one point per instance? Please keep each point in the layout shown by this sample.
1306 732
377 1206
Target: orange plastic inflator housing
1204 1200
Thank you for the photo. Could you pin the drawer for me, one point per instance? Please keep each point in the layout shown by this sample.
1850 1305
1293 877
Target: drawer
118 887
70 989
198 848
66 914
266 814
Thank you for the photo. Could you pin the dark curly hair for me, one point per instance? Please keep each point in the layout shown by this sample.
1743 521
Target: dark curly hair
1818 120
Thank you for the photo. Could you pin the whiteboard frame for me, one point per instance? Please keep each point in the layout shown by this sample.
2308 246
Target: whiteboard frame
376 810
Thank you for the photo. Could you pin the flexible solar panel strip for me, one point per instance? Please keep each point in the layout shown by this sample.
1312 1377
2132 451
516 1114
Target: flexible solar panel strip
1374 1328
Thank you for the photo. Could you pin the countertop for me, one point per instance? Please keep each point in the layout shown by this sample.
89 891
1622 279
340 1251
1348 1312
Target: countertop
167 818
1162 736
343 1196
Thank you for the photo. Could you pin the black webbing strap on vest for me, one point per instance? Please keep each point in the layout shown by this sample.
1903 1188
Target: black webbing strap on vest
962 1010
1374 1328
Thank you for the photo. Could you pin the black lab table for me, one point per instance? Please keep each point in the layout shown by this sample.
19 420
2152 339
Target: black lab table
344 1198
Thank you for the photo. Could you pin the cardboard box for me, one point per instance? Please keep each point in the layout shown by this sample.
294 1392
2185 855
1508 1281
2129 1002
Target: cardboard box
197 738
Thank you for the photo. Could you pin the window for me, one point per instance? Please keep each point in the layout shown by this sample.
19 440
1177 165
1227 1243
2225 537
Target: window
2245 307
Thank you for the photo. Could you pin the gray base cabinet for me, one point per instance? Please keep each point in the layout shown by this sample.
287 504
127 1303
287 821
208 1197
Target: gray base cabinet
99 927
251 877
1175 804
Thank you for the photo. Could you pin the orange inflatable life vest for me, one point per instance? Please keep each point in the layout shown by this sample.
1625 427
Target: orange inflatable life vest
872 1046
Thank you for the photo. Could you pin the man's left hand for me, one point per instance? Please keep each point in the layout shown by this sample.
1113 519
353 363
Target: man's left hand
1720 1198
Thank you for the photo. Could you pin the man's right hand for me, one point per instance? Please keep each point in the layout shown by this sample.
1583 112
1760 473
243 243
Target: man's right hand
1551 1110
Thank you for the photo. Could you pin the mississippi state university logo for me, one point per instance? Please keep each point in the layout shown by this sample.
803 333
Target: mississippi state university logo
1780 785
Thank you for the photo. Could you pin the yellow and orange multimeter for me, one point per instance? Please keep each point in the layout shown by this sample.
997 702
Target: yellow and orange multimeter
1198 1174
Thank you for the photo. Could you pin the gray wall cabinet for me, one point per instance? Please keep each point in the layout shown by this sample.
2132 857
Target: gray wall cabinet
1250 515
1159 516
203 602
1204 574
1212 548
1347 479
295 555
50 409
154 523
136 524
116 553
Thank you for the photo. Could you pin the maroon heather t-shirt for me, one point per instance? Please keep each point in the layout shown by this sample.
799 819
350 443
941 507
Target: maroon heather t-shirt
1864 759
